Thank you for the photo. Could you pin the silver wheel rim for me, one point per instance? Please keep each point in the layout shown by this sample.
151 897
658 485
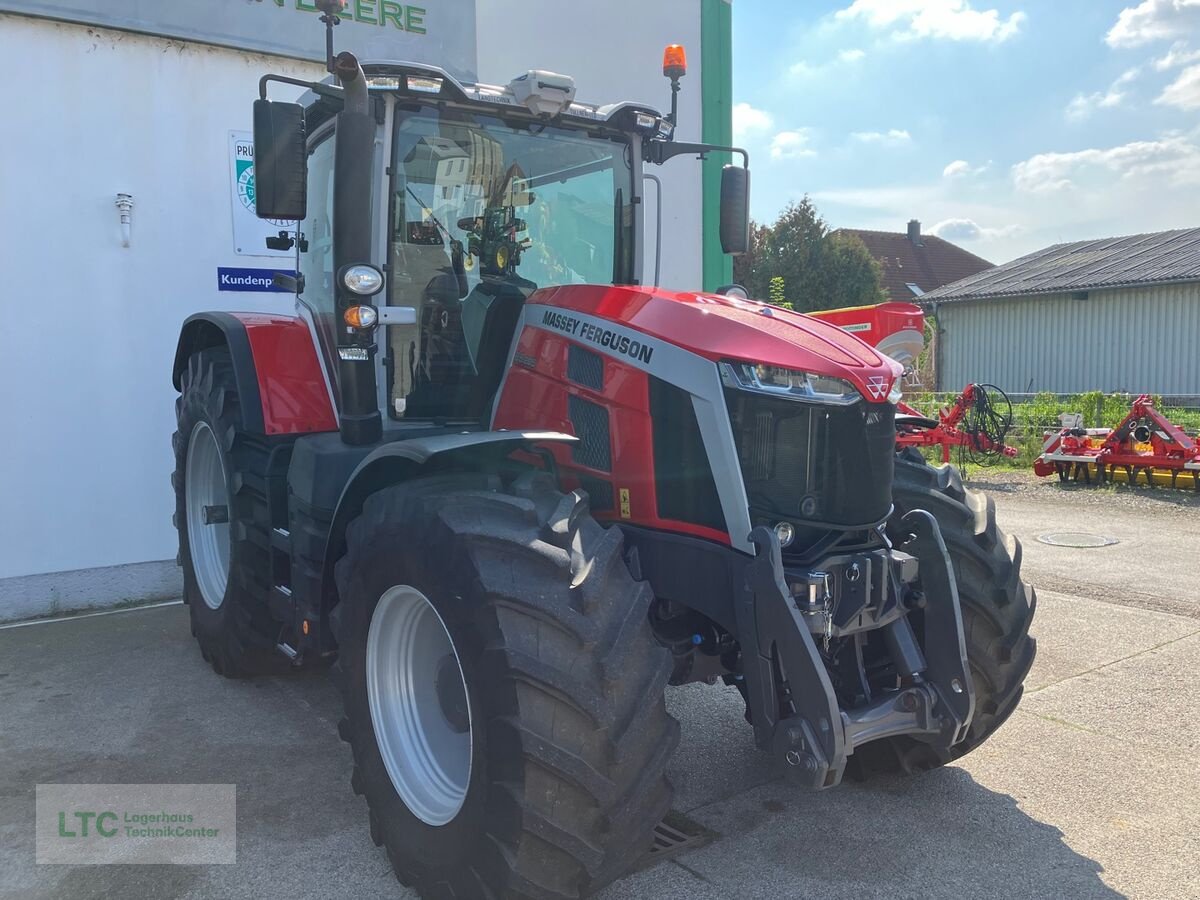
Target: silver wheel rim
419 705
208 545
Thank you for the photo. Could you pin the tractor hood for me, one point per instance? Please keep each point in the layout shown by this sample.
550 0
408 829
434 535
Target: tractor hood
719 327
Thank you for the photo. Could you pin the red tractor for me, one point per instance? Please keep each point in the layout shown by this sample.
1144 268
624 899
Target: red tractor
511 493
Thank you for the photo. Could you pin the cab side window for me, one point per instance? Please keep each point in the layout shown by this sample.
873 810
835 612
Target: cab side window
315 257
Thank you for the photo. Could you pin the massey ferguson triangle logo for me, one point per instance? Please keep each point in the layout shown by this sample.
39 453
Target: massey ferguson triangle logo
878 387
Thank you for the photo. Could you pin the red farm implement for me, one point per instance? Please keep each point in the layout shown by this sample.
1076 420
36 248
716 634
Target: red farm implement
977 423
980 417
1145 445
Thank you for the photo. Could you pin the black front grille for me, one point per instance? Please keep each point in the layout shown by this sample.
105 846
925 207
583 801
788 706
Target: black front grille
815 464
683 476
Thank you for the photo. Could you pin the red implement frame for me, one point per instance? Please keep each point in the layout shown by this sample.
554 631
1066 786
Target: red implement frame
947 434
1144 444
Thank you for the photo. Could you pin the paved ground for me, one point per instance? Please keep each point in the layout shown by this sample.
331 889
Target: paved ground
1091 790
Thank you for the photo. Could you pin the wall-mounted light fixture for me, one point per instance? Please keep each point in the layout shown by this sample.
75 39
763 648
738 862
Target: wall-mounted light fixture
125 205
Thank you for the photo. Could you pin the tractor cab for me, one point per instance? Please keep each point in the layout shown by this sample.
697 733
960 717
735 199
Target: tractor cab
425 212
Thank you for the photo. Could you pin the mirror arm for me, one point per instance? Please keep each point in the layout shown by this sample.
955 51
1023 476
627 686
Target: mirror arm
324 90
658 152
292 283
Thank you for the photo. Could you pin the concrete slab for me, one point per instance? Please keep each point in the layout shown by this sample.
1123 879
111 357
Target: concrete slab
126 698
1090 790
1134 810
1151 700
1076 635
1144 569
716 756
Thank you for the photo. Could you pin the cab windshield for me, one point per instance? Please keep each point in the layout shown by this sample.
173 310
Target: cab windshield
484 212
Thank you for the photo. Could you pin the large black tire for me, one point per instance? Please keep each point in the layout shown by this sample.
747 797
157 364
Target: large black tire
997 608
565 683
236 637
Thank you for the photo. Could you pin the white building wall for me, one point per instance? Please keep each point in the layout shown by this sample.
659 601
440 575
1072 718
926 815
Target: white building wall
90 326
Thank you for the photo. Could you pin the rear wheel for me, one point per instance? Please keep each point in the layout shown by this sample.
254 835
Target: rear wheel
503 691
997 608
221 516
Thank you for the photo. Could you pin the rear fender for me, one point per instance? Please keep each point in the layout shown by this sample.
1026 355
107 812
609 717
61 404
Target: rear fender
276 367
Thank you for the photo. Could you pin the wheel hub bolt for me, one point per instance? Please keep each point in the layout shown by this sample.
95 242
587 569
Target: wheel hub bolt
215 515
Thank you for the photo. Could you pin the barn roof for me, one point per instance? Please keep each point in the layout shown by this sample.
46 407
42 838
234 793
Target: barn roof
1166 257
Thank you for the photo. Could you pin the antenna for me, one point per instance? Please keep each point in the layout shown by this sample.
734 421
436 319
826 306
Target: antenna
331 11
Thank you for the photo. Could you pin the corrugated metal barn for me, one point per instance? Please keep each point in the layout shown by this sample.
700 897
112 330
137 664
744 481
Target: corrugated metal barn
1121 314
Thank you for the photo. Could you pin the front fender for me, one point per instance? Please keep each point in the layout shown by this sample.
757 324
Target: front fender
401 460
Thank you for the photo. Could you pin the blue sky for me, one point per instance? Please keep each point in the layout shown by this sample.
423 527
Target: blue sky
1003 125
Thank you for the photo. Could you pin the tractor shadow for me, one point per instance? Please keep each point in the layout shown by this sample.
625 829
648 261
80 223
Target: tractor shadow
941 834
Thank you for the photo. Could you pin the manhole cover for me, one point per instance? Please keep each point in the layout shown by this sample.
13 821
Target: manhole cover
1077 539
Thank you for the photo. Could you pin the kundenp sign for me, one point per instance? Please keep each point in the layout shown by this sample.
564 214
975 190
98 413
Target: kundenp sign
438 32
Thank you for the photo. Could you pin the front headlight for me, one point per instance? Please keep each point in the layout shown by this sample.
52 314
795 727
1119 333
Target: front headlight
362 279
780 382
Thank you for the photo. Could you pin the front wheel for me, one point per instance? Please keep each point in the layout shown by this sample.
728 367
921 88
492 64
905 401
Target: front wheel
503 691
997 608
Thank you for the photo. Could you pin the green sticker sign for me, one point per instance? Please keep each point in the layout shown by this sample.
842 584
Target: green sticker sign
436 32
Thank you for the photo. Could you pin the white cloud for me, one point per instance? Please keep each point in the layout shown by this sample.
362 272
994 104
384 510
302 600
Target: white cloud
804 69
1173 156
792 144
1184 91
1178 55
960 168
748 121
1085 104
892 138
1155 20
958 230
970 230
953 20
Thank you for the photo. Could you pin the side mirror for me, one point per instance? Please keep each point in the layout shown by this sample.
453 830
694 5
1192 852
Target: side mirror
735 210
280 161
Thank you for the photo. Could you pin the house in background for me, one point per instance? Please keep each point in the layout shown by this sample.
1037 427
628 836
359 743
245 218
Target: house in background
1116 315
914 264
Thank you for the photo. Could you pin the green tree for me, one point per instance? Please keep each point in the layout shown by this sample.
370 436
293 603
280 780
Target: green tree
778 293
794 250
749 269
849 275
819 269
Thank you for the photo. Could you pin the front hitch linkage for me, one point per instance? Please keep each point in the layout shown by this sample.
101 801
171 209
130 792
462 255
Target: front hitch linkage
794 708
